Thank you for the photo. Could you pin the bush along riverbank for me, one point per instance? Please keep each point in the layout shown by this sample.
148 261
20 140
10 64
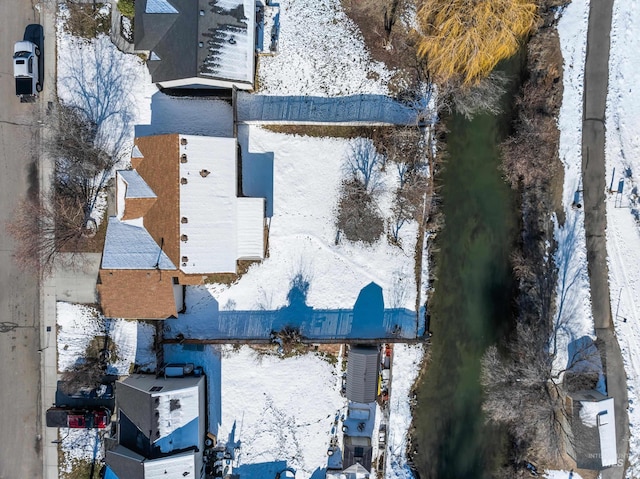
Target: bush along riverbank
517 375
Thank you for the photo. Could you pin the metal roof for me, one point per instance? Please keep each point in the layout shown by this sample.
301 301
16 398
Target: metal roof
362 374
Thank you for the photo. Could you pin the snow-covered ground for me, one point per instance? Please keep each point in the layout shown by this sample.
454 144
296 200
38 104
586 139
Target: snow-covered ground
321 53
79 324
622 164
623 210
574 318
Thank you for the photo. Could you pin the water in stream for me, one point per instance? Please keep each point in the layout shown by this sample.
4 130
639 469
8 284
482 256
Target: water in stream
472 303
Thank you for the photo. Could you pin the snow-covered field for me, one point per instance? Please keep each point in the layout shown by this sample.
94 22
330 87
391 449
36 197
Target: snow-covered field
623 211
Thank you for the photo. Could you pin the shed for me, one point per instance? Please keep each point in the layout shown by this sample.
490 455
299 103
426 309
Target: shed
362 374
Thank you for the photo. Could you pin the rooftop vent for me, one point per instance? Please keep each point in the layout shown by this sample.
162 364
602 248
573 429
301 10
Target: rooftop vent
185 259
204 173
184 238
183 181
183 158
201 44
202 13
183 141
184 220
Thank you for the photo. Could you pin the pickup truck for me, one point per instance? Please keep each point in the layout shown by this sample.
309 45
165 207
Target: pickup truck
78 419
28 63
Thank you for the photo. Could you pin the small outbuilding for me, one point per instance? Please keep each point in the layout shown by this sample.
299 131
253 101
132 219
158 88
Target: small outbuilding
362 374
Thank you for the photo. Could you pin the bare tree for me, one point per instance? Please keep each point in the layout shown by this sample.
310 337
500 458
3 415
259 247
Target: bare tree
85 374
43 229
363 164
470 100
82 168
102 81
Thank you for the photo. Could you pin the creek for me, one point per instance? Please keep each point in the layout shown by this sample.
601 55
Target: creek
472 304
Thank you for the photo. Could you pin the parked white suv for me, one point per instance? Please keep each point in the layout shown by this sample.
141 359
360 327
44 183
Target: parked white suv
28 62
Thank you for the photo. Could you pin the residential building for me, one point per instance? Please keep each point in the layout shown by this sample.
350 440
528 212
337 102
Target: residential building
179 218
198 43
160 430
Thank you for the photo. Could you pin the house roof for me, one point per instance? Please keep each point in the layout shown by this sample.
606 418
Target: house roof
362 374
177 466
127 246
229 228
136 187
126 464
137 293
177 212
163 410
197 38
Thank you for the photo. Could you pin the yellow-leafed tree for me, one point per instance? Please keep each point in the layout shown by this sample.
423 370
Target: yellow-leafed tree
464 39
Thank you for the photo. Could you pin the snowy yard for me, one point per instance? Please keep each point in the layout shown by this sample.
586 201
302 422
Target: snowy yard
279 411
77 326
623 217
293 402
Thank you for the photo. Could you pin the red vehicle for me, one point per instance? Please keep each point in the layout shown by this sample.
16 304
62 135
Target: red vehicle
77 419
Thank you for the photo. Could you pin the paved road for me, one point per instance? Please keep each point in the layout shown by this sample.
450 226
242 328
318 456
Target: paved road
20 404
593 179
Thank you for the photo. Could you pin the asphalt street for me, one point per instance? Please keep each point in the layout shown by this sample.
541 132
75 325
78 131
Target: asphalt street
20 400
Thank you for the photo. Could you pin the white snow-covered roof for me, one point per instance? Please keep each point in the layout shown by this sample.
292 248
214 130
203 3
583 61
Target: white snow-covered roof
175 466
131 247
175 410
607 432
232 56
600 414
250 227
208 200
159 6
136 186
136 153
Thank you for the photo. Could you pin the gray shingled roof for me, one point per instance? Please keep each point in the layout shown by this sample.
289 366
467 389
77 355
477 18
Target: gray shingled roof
174 38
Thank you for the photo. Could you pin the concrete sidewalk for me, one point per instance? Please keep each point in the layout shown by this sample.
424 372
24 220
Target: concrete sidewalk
48 351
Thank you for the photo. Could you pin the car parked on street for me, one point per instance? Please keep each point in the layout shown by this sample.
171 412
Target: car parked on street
28 63
78 419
